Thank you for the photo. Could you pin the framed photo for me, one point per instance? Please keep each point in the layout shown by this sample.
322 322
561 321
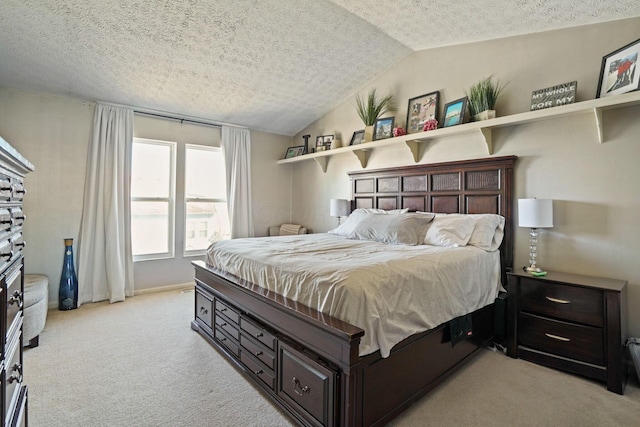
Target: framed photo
294 151
323 142
454 112
619 72
383 128
357 138
420 109
328 139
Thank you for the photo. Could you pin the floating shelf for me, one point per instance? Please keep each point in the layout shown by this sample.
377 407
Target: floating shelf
416 141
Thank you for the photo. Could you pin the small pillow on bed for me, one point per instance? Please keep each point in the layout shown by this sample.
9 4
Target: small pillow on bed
403 229
488 231
382 211
346 228
451 230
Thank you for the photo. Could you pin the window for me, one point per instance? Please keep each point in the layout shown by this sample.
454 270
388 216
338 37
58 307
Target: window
154 178
152 199
206 215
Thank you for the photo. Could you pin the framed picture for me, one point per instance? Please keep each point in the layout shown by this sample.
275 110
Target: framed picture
454 112
323 142
294 151
357 138
383 128
619 71
328 139
420 109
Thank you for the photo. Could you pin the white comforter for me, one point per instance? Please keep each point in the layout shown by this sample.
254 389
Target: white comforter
390 291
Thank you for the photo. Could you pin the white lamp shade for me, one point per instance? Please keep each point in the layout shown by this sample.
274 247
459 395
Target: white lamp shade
535 213
339 207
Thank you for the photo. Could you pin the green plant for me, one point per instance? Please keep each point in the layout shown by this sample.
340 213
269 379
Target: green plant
483 95
371 108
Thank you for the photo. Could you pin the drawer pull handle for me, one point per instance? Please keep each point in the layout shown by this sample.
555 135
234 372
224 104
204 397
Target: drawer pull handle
559 301
258 353
259 372
16 298
14 378
259 334
203 310
296 385
223 324
557 337
223 310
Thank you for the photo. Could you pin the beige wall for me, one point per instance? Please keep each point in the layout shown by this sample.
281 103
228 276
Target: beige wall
594 185
52 132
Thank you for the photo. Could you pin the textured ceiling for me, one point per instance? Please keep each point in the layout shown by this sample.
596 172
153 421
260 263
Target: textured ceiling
272 65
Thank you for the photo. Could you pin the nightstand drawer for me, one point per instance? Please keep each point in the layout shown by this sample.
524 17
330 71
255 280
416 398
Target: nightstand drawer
577 342
564 302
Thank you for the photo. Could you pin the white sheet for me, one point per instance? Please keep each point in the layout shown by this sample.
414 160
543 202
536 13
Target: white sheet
390 291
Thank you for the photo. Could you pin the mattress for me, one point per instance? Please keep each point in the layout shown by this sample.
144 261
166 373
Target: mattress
390 291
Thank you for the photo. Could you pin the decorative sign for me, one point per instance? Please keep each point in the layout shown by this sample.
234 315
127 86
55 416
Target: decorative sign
554 96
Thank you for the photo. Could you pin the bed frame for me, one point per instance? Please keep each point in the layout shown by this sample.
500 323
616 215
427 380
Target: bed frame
306 362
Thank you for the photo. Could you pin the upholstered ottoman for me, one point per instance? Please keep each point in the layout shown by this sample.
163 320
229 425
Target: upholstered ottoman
36 304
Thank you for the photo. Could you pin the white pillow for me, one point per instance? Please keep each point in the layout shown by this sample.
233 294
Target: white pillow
346 228
404 229
450 230
382 211
488 231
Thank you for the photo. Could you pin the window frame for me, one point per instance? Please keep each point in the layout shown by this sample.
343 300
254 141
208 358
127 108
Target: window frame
171 200
196 252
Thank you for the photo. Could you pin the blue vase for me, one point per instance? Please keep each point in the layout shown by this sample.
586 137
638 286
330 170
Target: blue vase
68 292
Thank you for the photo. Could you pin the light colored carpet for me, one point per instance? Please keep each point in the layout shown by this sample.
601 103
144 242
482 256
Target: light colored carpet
138 363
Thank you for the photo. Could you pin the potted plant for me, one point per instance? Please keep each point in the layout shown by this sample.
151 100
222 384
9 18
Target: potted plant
482 98
371 109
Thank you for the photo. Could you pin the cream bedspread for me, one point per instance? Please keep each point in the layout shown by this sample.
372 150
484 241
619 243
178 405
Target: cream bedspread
390 291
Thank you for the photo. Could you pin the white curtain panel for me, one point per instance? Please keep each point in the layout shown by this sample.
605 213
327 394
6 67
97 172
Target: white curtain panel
236 145
105 261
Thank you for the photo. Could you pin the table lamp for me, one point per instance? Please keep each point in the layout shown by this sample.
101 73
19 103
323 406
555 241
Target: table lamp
534 213
339 208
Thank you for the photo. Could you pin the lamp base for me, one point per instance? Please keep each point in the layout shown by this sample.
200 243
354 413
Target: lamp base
532 269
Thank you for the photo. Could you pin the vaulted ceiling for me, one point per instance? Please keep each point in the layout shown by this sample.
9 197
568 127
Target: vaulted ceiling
271 65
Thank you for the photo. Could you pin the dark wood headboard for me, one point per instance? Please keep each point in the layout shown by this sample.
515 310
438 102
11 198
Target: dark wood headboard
466 186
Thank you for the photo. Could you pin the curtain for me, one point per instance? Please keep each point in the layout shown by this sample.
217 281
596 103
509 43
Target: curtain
236 146
105 261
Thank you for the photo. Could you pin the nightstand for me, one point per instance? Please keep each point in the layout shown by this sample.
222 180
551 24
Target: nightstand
569 322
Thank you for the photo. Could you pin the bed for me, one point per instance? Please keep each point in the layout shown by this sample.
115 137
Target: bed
310 358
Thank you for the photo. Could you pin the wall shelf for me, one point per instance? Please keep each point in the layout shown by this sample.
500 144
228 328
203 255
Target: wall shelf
416 141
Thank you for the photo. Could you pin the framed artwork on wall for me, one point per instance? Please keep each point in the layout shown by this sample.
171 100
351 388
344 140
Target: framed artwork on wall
383 128
619 71
454 112
420 109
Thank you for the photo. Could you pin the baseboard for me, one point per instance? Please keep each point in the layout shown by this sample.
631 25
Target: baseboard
188 285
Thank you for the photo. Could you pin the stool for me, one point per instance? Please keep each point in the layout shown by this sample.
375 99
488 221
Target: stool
36 304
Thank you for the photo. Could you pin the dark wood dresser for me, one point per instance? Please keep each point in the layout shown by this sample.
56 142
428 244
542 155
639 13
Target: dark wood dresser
13 168
569 322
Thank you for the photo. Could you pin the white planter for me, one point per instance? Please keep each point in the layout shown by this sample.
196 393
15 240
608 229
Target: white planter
485 115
